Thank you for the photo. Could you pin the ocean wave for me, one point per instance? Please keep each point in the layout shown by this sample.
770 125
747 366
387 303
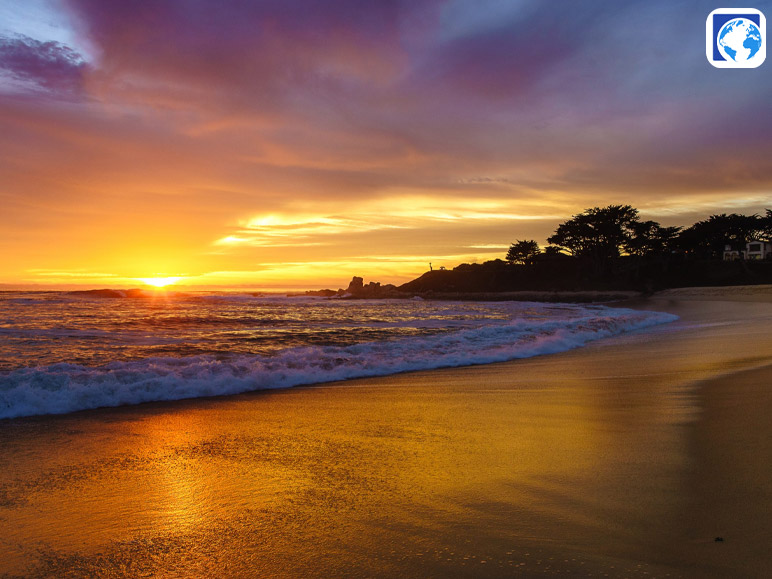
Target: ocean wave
259 298
62 388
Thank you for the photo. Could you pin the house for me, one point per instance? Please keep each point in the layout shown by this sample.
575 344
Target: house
753 250
758 250
732 254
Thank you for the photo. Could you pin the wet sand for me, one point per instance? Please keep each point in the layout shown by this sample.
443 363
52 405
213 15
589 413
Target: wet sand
625 458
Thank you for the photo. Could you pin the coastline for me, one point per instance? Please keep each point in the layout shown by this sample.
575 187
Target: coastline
627 456
577 297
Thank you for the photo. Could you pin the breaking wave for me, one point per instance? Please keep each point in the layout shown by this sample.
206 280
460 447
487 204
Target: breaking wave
62 388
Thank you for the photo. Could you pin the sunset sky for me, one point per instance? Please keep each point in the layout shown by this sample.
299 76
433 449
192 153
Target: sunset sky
297 143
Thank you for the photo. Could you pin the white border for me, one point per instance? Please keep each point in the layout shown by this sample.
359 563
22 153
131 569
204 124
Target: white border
757 59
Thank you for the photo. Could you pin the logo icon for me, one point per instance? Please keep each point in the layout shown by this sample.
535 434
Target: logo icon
736 38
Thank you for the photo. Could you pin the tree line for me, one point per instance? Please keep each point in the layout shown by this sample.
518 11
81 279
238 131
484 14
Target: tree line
602 234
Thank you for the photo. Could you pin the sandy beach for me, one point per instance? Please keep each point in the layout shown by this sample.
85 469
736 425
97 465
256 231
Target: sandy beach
629 457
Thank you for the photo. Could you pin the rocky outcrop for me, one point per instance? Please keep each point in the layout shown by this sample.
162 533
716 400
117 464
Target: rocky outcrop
356 286
373 290
323 293
112 294
357 289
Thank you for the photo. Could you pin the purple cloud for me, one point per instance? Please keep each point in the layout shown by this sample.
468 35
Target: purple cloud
348 96
50 65
248 55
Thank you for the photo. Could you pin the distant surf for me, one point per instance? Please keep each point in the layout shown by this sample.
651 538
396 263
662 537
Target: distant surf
373 338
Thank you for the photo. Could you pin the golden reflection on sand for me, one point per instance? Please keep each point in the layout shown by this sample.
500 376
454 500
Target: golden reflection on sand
609 459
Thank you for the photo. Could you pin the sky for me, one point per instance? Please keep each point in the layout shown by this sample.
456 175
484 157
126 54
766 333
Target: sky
296 143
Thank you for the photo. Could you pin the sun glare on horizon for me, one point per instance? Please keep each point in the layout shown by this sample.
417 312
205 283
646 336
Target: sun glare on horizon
160 282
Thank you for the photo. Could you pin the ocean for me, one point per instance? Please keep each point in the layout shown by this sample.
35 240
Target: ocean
62 352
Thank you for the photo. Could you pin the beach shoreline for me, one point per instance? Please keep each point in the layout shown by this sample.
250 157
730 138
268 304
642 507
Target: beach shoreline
628 456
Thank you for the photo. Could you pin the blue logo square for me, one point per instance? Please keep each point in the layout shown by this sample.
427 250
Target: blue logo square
720 19
736 38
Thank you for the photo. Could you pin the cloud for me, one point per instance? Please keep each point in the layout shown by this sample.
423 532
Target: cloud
406 218
242 55
78 273
416 126
345 92
45 65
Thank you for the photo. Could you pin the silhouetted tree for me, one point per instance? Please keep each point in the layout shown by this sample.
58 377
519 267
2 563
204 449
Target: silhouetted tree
650 239
767 226
598 233
553 252
523 251
708 238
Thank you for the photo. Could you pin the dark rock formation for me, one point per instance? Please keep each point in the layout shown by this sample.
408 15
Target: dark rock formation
111 294
356 286
373 290
98 293
323 293
357 289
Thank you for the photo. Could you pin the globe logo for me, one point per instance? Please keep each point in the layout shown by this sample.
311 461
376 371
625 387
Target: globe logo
739 40
736 38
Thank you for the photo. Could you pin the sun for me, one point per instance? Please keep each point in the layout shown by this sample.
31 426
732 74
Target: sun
160 281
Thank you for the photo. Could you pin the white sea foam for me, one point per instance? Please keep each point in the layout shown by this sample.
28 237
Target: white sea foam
63 388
